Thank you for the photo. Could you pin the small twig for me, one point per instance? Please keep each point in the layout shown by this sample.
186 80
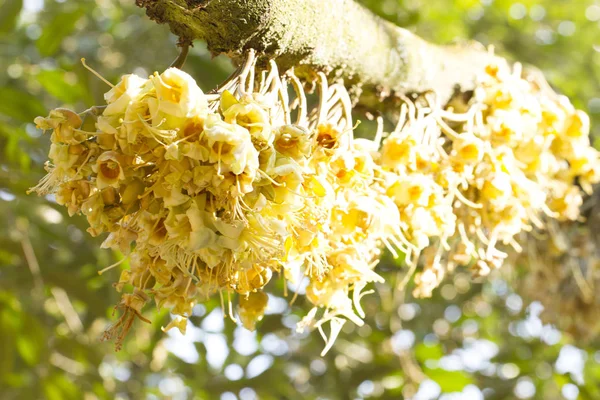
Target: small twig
60 296
67 310
406 278
67 364
31 259
184 49
411 367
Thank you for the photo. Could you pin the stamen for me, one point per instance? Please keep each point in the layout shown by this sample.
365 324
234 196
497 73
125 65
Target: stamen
96 73
113 265
230 307
301 119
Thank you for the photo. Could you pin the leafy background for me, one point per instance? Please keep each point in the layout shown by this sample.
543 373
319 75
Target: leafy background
472 340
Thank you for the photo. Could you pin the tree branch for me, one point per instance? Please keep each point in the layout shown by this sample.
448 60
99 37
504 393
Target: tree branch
338 36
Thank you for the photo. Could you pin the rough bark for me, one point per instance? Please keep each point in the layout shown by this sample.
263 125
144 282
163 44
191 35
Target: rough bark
338 36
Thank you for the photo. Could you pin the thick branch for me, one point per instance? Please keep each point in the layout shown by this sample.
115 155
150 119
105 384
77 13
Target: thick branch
338 36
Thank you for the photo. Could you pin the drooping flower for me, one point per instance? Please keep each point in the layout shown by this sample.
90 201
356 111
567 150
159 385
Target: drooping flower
217 194
109 170
178 95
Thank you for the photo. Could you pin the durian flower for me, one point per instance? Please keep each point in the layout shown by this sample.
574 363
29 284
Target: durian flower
202 235
64 123
109 170
121 95
229 145
468 149
252 308
413 189
399 152
587 168
177 322
178 94
565 201
73 193
293 141
64 157
213 195
248 114
497 188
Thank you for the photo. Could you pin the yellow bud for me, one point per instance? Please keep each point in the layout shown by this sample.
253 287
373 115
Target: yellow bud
109 196
179 323
252 308
227 100
76 149
72 119
255 301
131 192
106 141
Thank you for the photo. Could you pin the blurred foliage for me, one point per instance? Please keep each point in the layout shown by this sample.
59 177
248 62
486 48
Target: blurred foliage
469 341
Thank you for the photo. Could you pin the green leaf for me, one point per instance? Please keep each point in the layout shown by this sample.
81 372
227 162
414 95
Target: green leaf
54 32
424 352
20 105
13 149
67 388
29 350
449 381
31 342
7 258
11 9
561 380
52 391
7 350
54 82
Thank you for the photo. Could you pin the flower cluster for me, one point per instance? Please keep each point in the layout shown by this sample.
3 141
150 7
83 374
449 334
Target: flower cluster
469 182
215 193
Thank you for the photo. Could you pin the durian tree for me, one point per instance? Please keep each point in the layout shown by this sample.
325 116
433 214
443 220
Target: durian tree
344 155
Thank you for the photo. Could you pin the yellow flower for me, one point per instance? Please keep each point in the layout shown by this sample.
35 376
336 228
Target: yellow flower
506 127
428 280
65 124
412 189
177 224
565 201
497 188
72 194
230 145
251 116
195 151
329 137
293 141
178 94
468 149
177 322
399 152
253 279
161 271
423 225
121 240
109 171
121 95
202 233
133 189
252 309
63 156
93 209
578 125
175 197
587 168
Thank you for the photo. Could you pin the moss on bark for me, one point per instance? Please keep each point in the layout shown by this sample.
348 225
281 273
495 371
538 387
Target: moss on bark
338 36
